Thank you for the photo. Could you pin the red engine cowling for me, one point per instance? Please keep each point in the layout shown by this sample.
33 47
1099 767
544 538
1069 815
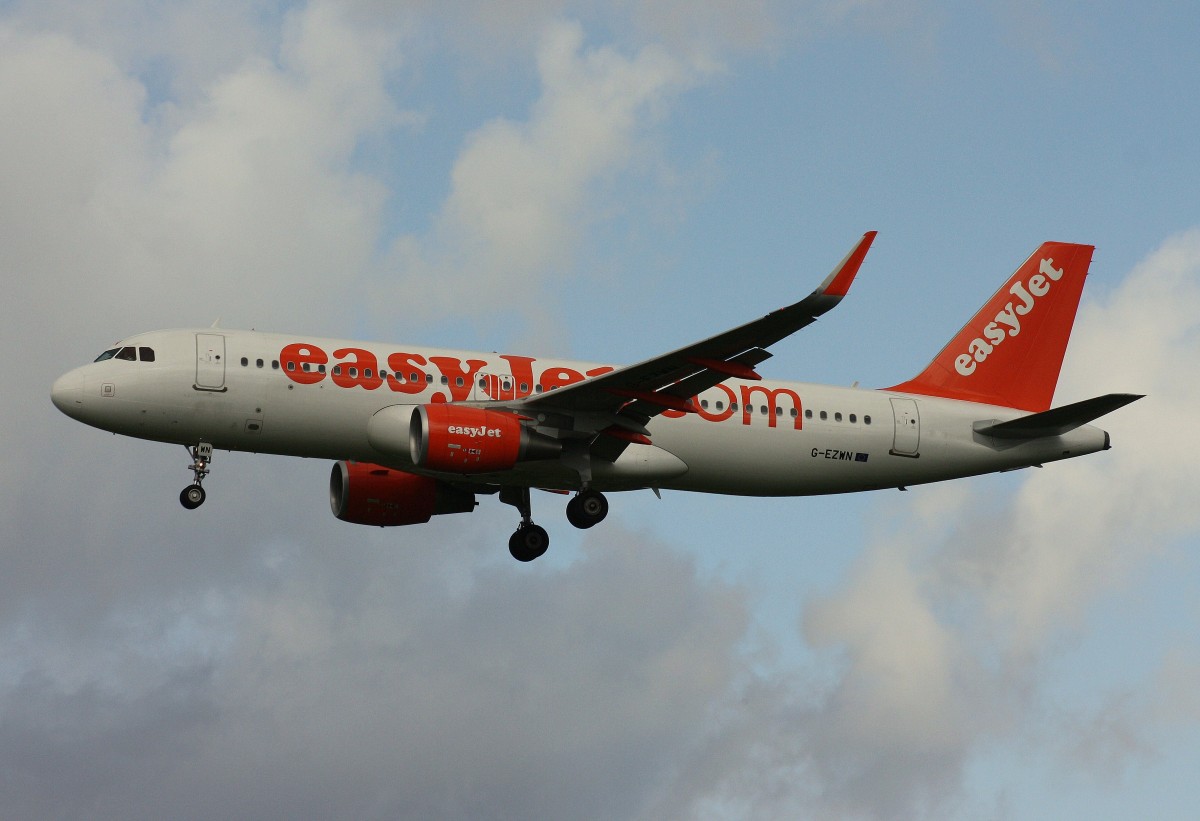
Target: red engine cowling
366 494
462 439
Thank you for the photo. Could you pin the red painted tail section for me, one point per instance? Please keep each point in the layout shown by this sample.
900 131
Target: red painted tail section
1011 352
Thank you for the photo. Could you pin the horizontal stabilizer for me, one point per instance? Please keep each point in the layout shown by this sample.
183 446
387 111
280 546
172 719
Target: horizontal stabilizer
1056 421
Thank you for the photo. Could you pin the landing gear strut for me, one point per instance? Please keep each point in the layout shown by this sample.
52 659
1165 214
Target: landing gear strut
587 509
529 541
192 496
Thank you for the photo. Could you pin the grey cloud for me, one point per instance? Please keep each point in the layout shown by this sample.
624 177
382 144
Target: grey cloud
566 693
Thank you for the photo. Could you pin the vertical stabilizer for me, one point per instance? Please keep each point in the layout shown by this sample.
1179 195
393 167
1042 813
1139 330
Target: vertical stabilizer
1011 352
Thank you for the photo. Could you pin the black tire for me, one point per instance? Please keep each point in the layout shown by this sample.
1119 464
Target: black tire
528 543
587 509
192 496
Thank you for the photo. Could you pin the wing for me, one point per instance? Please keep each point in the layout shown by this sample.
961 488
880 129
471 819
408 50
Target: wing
629 397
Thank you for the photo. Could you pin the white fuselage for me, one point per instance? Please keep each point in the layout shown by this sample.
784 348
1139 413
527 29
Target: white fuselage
234 390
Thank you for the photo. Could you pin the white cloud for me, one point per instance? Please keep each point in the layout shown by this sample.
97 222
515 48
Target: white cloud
522 193
946 625
245 196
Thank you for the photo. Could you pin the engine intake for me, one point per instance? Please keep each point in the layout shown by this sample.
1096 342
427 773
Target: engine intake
463 439
367 494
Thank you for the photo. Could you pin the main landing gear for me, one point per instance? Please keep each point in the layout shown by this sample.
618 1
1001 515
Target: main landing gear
587 509
192 496
530 540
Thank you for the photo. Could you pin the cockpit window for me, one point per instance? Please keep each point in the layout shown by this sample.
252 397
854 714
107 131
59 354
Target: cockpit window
127 353
109 354
146 354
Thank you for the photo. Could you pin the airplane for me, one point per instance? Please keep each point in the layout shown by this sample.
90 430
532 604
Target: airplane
416 432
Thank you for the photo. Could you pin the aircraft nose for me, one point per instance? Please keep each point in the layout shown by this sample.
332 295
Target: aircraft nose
67 393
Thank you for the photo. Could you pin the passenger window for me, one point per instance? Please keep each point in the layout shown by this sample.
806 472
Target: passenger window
291 366
704 404
445 381
354 373
762 409
245 361
321 368
428 379
537 388
733 406
458 381
824 416
274 364
482 384
808 413
853 419
367 373
109 354
866 420
258 362
128 354
146 354
337 370
795 413
720 405
837 417
306 367
779 411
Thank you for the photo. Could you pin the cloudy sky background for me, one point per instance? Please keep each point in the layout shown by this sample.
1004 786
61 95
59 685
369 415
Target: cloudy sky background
605 181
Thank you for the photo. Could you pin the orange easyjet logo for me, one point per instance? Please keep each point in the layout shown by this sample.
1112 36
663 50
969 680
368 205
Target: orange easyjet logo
1007 322
308 364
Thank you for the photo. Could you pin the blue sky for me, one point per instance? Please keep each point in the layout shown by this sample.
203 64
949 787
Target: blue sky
606 183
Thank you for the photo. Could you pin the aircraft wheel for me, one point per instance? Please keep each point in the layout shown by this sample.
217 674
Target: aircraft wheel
587 509
192 497
529 542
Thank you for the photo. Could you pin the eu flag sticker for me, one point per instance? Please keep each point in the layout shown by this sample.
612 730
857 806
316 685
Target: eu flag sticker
860 457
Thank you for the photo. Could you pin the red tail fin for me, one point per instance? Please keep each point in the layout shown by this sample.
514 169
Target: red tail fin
1011 352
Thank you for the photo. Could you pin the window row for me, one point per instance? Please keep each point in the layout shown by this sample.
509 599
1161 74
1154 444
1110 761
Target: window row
765 410
258 363
369 373
427 378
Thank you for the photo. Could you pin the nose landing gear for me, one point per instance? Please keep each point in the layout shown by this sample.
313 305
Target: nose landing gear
192 496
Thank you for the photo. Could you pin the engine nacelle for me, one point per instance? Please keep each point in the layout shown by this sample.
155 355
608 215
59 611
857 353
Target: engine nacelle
366 494
463 439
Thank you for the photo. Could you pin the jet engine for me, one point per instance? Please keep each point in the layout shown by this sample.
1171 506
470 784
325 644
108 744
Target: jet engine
366 494
462 439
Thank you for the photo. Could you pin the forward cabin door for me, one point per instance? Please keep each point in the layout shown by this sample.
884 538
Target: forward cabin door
210 362
908 427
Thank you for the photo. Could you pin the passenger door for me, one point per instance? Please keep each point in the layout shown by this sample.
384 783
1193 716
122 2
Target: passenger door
210 362
908 427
